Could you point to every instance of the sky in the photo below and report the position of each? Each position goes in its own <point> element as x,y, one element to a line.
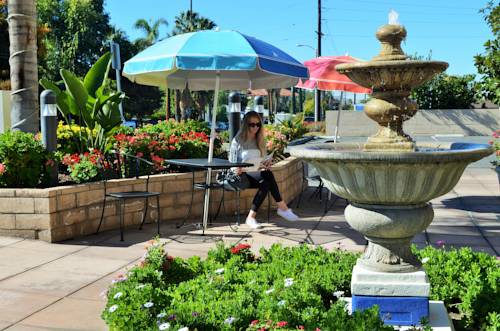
<point>450,30</point>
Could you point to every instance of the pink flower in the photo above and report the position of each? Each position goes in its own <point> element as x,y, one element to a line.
<point>440,242</point>
<point>2,168</point>
<point>281,324</point>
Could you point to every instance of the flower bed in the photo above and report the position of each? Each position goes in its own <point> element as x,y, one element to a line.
<point>295,288</point>
<point>63,212</point>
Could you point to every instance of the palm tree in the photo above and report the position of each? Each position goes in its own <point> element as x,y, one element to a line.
<point>151,30</point>
<point>185,22</point>
<point>23,65</point>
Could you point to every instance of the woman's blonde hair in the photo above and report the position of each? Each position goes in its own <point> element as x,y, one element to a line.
<point>242,135</point>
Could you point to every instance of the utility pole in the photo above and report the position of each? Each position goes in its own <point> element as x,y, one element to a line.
<point>317,94</point>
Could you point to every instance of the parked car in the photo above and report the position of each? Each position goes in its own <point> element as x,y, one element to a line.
<point>309,119</point>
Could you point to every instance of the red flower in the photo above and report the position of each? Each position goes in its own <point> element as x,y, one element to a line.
<point>254,322</point>
<point>2,168</point>
<point>281,324</point>
<point>238,248</point>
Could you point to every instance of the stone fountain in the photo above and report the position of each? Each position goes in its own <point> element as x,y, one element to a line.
<point>390,180</point>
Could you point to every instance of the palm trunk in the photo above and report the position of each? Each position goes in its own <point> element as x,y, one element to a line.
<point>23,65</point>
<point>177,106</point>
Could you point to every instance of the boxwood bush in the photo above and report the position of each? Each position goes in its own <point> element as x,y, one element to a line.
<point>295,288</point>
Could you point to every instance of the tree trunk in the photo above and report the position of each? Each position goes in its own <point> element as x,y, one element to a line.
<point>23,65</point>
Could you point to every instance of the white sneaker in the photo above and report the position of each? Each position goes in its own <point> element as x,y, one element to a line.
<point>288,215</point>
<point>252,223</point>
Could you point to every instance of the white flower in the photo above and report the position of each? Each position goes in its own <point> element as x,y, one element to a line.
<point>184,329</point>
<point>219,271</point>
<point>425,260</point>
<point>113,308</point>
<point>338,294</point>
<point>164,326</point>
<point>281,303</point>
<point>230,320</point>
<point>270,291</point>
<point>138,287</point>
<point>148,304</point>
<point>161,315</point>
<point>288,282</point>
<point>117,295</point>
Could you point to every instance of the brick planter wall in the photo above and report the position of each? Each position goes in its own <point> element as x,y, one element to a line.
<point>65,212</point>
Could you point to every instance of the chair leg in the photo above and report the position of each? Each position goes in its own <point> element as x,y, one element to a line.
<point>145,213</point>
<point>221,204</point>
<point>268,207</point>
<point>122,211</point>
<point>300,194</point>
<point>158,213</point>
<point>102,214</point>
<point>238,207</point>
<point>190,204</point>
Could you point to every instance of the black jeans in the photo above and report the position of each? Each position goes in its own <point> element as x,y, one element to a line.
<point>265,182</point>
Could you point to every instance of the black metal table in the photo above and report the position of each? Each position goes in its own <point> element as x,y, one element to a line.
<point>203,164</point>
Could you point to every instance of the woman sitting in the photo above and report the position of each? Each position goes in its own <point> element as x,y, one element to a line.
<point>249,146</point>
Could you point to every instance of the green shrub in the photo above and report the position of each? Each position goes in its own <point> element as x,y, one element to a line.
<point>283,289</point>
<point>468,283</point>
<point>232,288</point>
<point>23,160</point>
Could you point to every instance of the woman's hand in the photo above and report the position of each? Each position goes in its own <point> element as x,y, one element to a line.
<point>266,165</point>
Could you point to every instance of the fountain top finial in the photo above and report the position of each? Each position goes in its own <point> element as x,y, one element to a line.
<point>391,35</point>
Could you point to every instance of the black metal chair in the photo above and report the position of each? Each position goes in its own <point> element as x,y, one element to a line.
<point>230,188</point>
<point>318,191</point>
<point>116,165</point>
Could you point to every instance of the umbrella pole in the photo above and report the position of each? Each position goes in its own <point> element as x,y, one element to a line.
<point>338,118</point>
<point>206,207</point>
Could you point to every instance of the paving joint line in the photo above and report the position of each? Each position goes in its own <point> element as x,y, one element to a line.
<point>71,293</point>
<point>476,224</point>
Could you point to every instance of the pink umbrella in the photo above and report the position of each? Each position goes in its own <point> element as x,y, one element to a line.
<point>323,76</point>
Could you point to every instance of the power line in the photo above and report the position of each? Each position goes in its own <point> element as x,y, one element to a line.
<point>419,5</point>
<point>406,21</point>
<point>399,11</point>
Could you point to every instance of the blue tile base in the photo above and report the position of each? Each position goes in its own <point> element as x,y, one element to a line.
<point>395,310</point>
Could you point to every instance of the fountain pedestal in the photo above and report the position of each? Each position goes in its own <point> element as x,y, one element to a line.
<point>389,182</point>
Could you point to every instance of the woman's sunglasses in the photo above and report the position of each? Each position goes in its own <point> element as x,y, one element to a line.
<point>254,125</point>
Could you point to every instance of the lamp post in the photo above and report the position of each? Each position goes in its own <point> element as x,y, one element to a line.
<point>259,106</point>
<point>317,94</point>
<point>117,65</point>
<point>234,114</point>
<point>48,125</point>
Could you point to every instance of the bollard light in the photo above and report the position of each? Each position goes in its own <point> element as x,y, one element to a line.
<point>259,106</point>
<point>234,114</point>
<point>48,106</point>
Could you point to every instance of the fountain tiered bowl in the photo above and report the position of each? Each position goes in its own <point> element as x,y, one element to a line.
<point>390,179</point>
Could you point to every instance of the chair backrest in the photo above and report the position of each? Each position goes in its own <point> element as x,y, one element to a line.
<point>116,165</point>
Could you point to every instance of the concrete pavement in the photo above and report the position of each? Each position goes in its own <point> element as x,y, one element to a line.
<point>57,286</point>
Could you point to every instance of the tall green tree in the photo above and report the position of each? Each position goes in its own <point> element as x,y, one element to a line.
<point>446,92</point>
<point>151,31</point>
<point>79,30</point>
<point>4,40</point>
<point>23,65</point>
<point>185,22</point>
<point>488,63</point>
<point>141,100</point>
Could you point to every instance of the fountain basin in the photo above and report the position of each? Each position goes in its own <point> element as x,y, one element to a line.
<point>390,178</point>
<point>398,75</point>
